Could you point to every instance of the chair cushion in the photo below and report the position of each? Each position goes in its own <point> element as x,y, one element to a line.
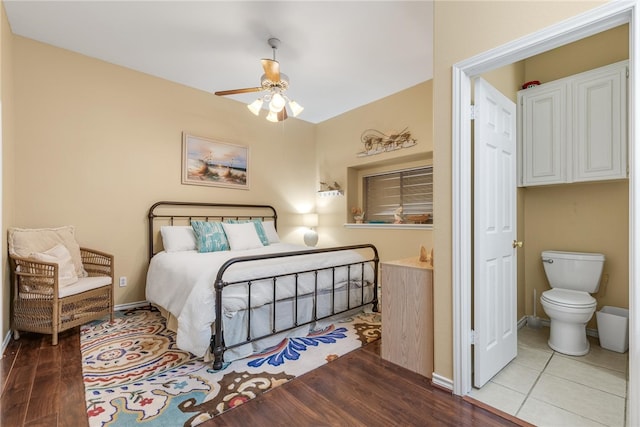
<point>84,284</point>
<point>61,256</point>
<point>24,241</point>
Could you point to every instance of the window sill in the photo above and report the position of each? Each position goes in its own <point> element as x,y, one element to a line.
<point>390,226</point>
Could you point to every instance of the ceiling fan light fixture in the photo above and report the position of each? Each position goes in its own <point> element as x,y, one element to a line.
<point>255,106</point>
<point>273,85</point>
<point>295,108</point>
<point>277,103</point>
<point>272,117</point>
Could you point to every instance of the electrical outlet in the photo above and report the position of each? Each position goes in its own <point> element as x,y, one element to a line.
<point>123,281</point>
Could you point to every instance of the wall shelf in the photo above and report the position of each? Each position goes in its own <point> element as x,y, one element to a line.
<point>390,226</point>
<point>330,193</point>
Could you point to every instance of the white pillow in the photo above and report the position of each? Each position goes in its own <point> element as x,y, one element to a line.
<point>178,238</point>
<point>60,255</point>
<point>25,241</point>
<point>242,236</point>
<point>270,231</point>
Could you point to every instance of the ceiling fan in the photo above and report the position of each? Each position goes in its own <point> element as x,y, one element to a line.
<point>275,84</point>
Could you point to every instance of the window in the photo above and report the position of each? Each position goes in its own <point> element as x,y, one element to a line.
<point>412,189</point>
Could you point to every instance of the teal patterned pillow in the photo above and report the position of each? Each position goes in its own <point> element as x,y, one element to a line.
<point>259,228</point>
<point>210,236</point>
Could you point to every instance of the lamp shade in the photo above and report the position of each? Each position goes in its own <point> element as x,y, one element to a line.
<point>295,108</point>
<point>255,106</point>
<point>310,220</point>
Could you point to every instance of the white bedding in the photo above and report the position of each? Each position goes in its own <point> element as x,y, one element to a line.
<point>182,283</point>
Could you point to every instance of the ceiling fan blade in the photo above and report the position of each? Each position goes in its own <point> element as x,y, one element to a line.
<point>271,69</point>
<point>234,91</point>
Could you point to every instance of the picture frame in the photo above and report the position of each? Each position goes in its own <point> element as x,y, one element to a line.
<point>214,163</point>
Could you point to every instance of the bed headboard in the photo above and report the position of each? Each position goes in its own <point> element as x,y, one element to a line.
<point>182,213</point>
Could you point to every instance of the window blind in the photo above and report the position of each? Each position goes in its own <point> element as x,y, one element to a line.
<point>412,189</point>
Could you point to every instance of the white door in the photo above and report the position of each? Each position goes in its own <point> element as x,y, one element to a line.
<point>495,322</point>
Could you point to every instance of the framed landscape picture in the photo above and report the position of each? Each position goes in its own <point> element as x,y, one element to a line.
<point>209,162</point>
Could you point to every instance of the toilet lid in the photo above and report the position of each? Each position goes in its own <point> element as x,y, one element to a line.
<point>569,298</point>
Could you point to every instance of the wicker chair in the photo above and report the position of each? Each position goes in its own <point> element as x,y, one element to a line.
<point>40,305</point>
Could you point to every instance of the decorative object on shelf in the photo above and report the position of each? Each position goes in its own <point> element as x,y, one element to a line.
<point>330,189</point>
<point>275,84</point>
<point>310,236</point>
<point>532,83</point>
<point>418,219</point>
<point>424,257</point>
<point>398,216</point>
<point>376,142</point>
<point>358,215</point>
<point>209,162</point>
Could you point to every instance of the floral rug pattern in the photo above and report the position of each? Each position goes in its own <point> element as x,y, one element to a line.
<point>134,373</point>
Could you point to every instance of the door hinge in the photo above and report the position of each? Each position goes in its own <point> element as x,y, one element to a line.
<point>473,337</point>
<point>472,112</point>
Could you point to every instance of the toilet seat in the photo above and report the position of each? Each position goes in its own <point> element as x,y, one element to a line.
<point>568,298</point>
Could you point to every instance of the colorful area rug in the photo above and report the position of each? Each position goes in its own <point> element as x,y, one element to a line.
<point>134,373</point>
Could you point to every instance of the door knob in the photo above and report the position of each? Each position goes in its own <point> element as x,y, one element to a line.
<point>516,244</point>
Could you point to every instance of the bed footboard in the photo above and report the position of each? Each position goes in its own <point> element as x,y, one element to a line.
<point>360,292</point>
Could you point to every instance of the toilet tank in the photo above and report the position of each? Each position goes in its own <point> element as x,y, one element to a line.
<point>578,271</point>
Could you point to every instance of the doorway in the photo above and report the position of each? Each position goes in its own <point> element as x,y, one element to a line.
<point>603,18</point>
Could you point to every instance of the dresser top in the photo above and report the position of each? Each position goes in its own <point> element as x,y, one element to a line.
<point>413,262</point>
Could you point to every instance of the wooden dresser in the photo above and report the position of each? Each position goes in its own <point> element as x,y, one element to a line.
<point>407,314</point>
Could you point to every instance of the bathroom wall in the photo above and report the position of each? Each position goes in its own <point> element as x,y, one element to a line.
<point>585,217</point>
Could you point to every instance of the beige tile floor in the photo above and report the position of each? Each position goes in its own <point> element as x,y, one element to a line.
<point>547,388</point>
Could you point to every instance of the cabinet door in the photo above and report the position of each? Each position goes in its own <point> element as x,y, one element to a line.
<point>599,124</point>
<point>544,134</point>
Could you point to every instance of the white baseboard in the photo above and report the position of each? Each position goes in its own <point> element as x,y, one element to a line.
<point>441,381</point>
<point>522,322</point>
<point>130,305</point>
<point>5,343</point>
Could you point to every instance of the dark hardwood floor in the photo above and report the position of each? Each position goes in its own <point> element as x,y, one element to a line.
<point>42,386</point>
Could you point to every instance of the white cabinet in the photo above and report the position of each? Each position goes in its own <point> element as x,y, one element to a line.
<point>600,124</point>
<point>574,129</point>
<point>544,133</point>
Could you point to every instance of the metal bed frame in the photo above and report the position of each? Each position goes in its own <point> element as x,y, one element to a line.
<point>170,213</point>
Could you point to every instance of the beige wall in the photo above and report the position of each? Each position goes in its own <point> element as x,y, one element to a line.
<point>463,29</point>
<point>8,157</point>
<point>97,144</point>
<point>589,217</point>
<point>338,141</point>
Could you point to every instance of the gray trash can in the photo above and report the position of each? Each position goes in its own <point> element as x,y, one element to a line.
<point>613,328</point>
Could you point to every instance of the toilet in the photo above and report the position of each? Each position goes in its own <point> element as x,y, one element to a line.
<point>573,276</point>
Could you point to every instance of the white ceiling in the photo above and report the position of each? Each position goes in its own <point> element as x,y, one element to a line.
<point>338,55</point>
